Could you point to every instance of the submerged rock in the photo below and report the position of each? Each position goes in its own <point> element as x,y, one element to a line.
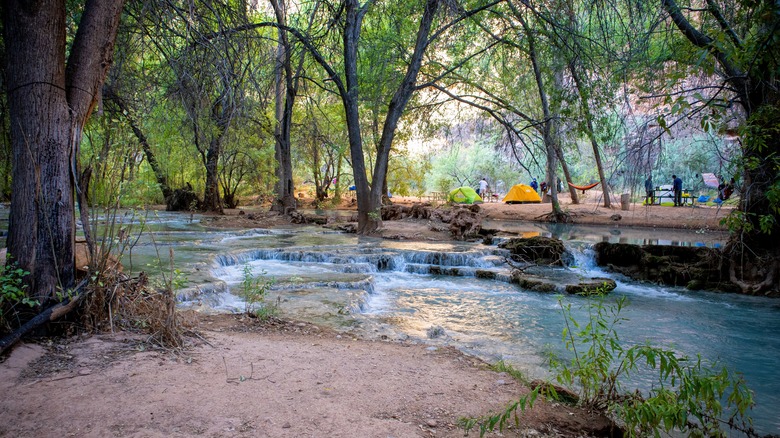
<point>593,286</point>
<point>571,284</point>
<point>533,283</point>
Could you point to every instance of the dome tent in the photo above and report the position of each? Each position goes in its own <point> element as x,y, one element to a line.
<point>521,194</point>
<point>464,195</point>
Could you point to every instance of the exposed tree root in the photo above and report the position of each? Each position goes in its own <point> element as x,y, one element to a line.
<point>753,287</point>
<point>557,218</point>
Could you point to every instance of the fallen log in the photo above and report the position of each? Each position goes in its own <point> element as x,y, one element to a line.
<point>51,314</point>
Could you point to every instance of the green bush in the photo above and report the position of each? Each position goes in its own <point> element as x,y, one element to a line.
<point>254,291</point>
<point>689,395</point>
<point>13,291</point>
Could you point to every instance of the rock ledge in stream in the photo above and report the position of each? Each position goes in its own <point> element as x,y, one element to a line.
<point>538,250</point>
<point>692,267</point>
<point>575,285</point>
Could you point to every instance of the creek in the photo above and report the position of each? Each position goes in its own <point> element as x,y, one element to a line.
<point>405,290</point>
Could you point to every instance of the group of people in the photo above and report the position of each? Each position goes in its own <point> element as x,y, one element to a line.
<point>725,190</point>
<point>535,185</point>
<point>676,190</point>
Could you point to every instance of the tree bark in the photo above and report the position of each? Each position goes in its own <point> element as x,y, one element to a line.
<point>368,217</point>
<point>49,104</point>
<point>211,198</point>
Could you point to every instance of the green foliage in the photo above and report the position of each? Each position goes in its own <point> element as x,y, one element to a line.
<point>13,291</point>
<point>464,165</point>
<point>501,420</point>
<point>254,291</point>
<point>406,176</point>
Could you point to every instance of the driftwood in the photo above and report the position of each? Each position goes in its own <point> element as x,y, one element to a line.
<point>51,314</point>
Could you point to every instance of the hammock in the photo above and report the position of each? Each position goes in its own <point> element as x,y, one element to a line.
<point>583,188</point>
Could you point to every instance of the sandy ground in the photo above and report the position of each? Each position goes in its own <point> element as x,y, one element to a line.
<point>242,379</point>
<point>287,379</point>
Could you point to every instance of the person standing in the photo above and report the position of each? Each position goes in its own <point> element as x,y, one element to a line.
<point>677,189</point>
<point>649,194</point>
<point>483,186</point>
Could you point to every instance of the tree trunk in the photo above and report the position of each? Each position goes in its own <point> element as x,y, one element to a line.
<point>286,90</point>
<point>368,216</point>
<point>567,175</point>
<point>110,94</point>
<point>49,104</point>
<point>396,108</point>
<point>550,126</point>
<point>584,105</point>
<point>211,199</point>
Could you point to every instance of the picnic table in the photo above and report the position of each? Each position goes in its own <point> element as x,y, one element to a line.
<point>660,193</point>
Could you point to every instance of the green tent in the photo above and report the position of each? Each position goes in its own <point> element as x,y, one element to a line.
<point>464,195</point>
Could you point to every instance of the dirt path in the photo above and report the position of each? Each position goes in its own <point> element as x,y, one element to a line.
<point>290,380</point>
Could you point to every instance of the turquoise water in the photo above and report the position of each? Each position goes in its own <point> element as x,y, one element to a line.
<point>387,288</point>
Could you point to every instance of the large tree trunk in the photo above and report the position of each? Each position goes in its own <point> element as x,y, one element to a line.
<point>49,105</point>
<point>211,199</point>
<point>368,215</point>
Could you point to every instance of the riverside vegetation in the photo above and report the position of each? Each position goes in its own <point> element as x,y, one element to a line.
<point>687,395</point>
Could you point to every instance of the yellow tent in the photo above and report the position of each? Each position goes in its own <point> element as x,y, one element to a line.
<point>521,194</point>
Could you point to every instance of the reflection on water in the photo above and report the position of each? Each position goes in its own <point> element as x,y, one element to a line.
<point>630,235</point>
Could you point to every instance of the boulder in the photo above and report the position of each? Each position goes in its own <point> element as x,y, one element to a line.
<point>536,284</point>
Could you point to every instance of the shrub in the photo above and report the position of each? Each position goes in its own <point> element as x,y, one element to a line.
<point>12,292</point>
<point>253,291</point>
